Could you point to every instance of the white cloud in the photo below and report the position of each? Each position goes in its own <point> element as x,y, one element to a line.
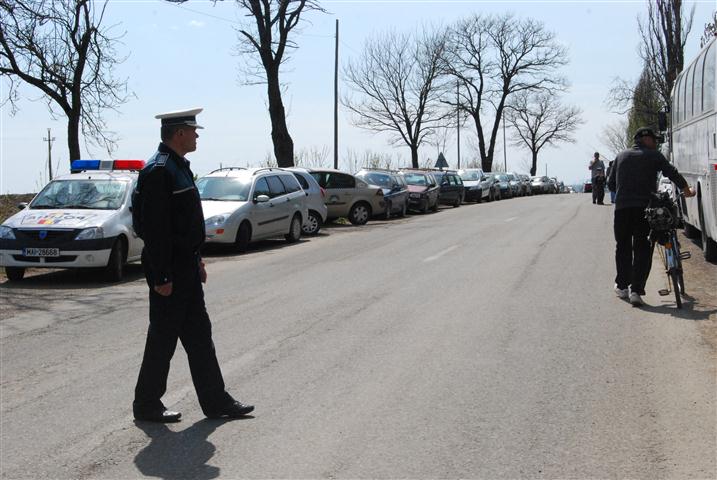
<point>196,24</point>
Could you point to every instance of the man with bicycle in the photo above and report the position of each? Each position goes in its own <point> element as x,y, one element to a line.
<point>633,178</point>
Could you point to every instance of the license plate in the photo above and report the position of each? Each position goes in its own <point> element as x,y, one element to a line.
<point>41,252</point>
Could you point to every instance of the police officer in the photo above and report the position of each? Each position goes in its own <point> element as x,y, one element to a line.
<point>597,167</point>
<point>167,214</point>
<point>633,178</point>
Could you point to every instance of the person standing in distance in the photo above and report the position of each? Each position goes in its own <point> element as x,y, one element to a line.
<point>167,215</point>
<point>597,167</point>
<point>633,178</point>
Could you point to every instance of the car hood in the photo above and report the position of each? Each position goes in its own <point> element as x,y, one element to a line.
<point>471,183</point>
<point>59,218</point>
<point>417,188</point>
<point>216,207</point>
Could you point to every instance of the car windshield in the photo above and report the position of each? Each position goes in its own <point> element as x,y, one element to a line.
<point>227,189</point>
<point>378,179</point>
<point>85,194</point>
<point>501,178</point>
<point>471,176</point>
<point>416,179</point>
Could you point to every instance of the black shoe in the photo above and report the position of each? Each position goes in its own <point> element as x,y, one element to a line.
<point>601,203</point>
<point>233,410</point>
<point>160,416</point>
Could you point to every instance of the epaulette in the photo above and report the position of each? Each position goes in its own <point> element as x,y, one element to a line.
<point>161,159</point>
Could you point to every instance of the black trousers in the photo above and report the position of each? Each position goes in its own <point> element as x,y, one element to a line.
<point>598,189</point>
<point>633,252</point>
<point>180,316</point>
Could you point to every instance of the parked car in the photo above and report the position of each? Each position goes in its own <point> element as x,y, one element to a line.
<point>555,184</point>
<point>503,184</point>
<point>525,182</point>
<point>423,189</point>
<point>540,184</point>
<point>588,186</point>
<point>451,187</point>
<point>476,184</point>
<point>317,210</point>
<point>515,183</point>
<point>395,190</point>
<point>78,220</point>
<point>246,205</point>
<point>493,187</point>
<point>348,196</point>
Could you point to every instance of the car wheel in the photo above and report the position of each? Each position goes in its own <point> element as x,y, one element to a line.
<point>115,266</point>
<point>359,213</point>
<point>312,224</point>
<point>458,202</point>
<point>435,206</point>
<point>241,243</point>
<point>388,210</point>
<point>294,229</point>
<point>15,274</point>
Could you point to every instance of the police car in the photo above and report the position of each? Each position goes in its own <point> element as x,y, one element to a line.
<point>78,220</point>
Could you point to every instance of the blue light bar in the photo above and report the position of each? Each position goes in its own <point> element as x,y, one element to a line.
<point>85,165</point>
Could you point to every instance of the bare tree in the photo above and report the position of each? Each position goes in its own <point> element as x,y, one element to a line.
<point>494,57</point>
<point>615,137</point>
<point>710,30</point>
<point>539,120</point>
<point>664,35</point>
<point>267,36</point>
<point>62,49</point>
<point>395,83</point>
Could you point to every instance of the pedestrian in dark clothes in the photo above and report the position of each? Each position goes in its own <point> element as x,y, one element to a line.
<point>633,178</point>
<point>167,214</point>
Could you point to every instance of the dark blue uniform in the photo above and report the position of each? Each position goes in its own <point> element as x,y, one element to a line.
<point>171,223</point>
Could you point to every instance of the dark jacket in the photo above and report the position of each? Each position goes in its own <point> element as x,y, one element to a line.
<point>633,176</point>
<point>171,217</point>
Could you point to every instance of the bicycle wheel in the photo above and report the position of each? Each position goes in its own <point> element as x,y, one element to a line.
<point>675,276</point>
<point>678,261</point>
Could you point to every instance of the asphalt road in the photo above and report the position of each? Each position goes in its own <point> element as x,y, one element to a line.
<point>478,342</point>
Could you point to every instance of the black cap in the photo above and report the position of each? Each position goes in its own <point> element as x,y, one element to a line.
<point>645,132</point>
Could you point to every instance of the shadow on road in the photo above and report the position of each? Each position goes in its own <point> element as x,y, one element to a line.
<point>179,455</point>
<point>72,279</point>
<point>687,312</point>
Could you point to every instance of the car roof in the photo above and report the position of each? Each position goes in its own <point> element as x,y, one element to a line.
<point>244,172</point>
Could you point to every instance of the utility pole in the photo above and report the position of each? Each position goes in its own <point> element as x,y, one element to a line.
<point>336,99</point>
<point>49,139</point>
<point>458,122</point>
<point>546,169</point>
<point>505,151</point>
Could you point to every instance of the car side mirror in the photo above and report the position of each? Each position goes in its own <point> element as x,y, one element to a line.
<point>662,121</point>
<point>22,205</point>
<point>261,199</point>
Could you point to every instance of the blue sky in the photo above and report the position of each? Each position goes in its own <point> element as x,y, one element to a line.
<point>182,56</point>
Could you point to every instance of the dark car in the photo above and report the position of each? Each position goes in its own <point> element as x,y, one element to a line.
<point>492,185</point>
<point>516,185</point>
<point>393,184</point>
<point>525,180</point>
<point>451,187</point>
<point>503,184</point>
<point>588,186</point>
<point>422,189</point>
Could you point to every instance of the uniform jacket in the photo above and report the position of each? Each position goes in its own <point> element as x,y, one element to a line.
<point>171,215</point>
<point>633,176</point>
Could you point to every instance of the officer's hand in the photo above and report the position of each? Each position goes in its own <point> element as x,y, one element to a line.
<point>688,192</point>
<point>164,290</point>
<point>202,272</point>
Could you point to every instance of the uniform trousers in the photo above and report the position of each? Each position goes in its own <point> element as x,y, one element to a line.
<point>179,316</point>
<point>633,251</point>
<point>598,189</point>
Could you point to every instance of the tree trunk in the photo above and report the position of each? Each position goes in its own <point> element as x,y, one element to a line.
<point>414,156</point>
<point>534,167</point>
<point>283,144</point>
<point>73,135</point>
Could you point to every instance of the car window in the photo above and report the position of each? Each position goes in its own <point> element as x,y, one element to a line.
<point>416,179</point>
<point>275,186</point>
<point>340,180</point>
<point>290,183</point>
<point>453,179</point>
<point>261,188</point>
<point>302,181</point>
<point>321,178</point>
<point>378,179</point>
<point>85,193</point>
<point>224,188</point>
<point>471,175</point>
<point>439,177</point>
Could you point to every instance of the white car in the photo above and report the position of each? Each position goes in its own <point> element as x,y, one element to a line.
<point>245,205</point>
<point>78,220</point>
<point>318,212</point>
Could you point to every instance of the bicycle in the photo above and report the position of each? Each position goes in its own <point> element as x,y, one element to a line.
<point>664,217</point>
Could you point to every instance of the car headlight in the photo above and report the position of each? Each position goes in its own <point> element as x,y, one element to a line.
<point>90,233</point>
<point>216,221</point>
<point>6,233</point>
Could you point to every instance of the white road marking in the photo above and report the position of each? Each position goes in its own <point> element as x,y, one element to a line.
<point>440,254</point>
<point>510,219</point>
